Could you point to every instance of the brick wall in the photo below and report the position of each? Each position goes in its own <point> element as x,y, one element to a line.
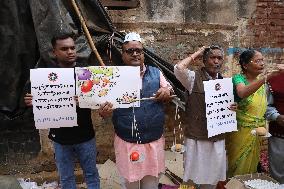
<point>267,25</point>
<point>264,29</point>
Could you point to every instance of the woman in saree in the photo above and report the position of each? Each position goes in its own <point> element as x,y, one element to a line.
<point>243,147</point>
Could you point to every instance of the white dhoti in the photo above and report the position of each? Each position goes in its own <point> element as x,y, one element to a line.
<point>204,161</point>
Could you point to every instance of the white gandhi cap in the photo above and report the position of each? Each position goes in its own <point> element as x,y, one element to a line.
<point>132,37</point>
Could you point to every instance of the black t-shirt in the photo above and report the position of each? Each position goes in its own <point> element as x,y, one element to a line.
<point>77,134</point>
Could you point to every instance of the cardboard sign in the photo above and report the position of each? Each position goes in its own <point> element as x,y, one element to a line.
<point>53,91</point>
<point>218,97</point>
<point>119,85</point>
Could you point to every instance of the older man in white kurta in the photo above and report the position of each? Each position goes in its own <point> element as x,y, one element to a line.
<point>205,158</point>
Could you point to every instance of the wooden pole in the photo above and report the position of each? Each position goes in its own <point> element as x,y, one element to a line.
<point>85,28</point>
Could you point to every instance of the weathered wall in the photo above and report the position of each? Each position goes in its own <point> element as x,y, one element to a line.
<point>174,42</point>
<point>181,11</point>
<point>174,29</point>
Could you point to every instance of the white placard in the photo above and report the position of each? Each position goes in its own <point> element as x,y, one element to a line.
<point>119,85</point>
<point>53,91</point>
<point>218,97</point>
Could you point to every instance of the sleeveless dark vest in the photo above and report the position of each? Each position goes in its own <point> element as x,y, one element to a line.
<point>196,126</point>
<point>277,90</point>
<point>150,117</point>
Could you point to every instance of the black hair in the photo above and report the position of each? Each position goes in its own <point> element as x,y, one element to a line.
<point>246,57</point>
<point>60,36</point>
<point>208,51</point>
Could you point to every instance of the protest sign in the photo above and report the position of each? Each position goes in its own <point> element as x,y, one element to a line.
<point>119,85</point>
<point>218,98</point>
<point>53,91</point>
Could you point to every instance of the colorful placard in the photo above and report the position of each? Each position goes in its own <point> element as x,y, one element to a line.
<point>119,85</point>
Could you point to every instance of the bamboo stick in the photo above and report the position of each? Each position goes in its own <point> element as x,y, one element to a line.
<point>87,33</point>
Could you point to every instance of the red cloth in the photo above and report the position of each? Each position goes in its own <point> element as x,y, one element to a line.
<point>277,90</point>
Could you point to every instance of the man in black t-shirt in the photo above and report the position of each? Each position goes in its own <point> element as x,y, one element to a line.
<point>72,142</point>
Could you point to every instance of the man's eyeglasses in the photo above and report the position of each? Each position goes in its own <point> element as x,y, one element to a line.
<point>258,61</point>
<point>132,50</point>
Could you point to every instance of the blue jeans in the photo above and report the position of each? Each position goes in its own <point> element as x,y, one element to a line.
<point>65,161</point>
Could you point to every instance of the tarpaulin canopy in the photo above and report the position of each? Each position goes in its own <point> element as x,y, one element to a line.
<point>26,29</point>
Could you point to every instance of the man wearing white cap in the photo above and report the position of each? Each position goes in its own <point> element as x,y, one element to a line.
<point>140,156</point>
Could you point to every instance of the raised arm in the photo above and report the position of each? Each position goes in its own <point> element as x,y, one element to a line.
<point>185,63</point>
<point>183,74</point>
<point>244,91</point>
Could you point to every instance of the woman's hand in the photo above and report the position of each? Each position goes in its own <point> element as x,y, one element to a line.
<point>280,67</point>
<point>233,107</point>
<point>279,70</point>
